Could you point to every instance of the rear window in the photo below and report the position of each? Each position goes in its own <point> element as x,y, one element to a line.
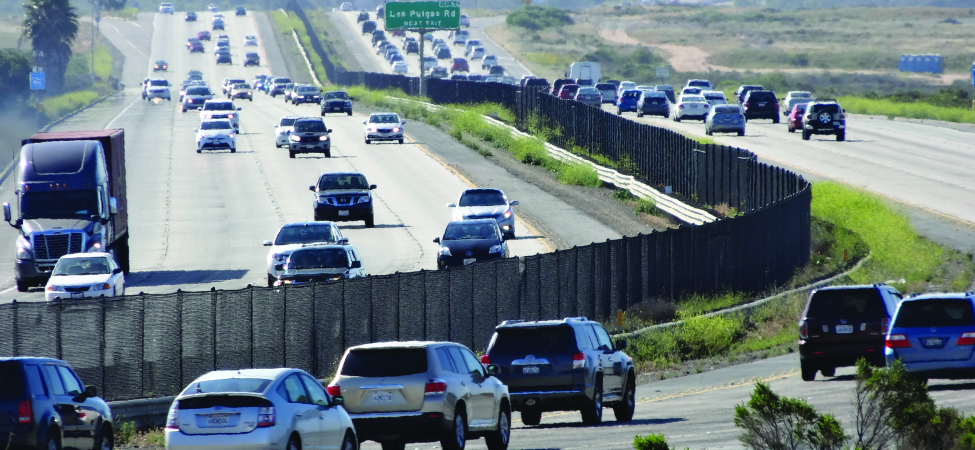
<point>761,96</point>
<point>949,312</point>
<point>256,385</point>
<point>12,380</point>
<point>832,109</point>
<point>731,109</point>
<point>605,87</point>
<point>534,341</point>
<point>392,362</point>
<point>846,302</point>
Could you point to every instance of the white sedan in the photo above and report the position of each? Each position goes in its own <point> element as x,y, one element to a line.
<point>215,134</point>
<point>384,127</point>
<point>691,107</point>
<point>85,275</point>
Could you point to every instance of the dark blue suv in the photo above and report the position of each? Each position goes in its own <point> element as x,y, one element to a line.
<point>44,406</point>
<point>563,365</point>
<point>343,197</point>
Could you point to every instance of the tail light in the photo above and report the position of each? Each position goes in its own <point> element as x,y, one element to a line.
<point>706,106</point>
<point>25,412</point>
<point>435,386</point>
<point>745,104</point>
<point>803,330</point>
<point>172,420</point>
<point>898,341</point>
<point>265,416</point>
<point>885,325</point>
<point>485,359</point>
<point>579,361</point>
<point>967,339</point>
<point>334,390</point>
<point>681,106</point>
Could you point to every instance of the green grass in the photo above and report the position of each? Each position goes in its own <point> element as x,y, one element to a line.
<point>124,13</point>
<point>579,174</point>
<point>62,105</point>
<point>647,205</point>
<point>917,110</point>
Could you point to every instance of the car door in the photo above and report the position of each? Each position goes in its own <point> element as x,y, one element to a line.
<point>85,407</point>
<point>471,389</point>
<point>330,420</point>
<point>72,424</point>
<point>482,395</point>
<point>307,420</point>
<point>612,381</point>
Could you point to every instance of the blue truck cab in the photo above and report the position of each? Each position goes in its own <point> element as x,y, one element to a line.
<point>70,199</point>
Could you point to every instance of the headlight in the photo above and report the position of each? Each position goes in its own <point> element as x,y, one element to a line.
<point>507,214</point>
<point>287,281</point>
<point>323,200</point>
<point>372,129</point>
<point>231,135</point>
<point>230,116</point>
<point>301,96</point>
<point>278,256</point>
<point>294,138</point>
<point>323,138</point>
<point>445,251</point>
<point>495,249</point>
<point>365,199</point>
<point>395,129</point>
<point>101,287</point>
<point>23,253</point>
<point>53,288</point>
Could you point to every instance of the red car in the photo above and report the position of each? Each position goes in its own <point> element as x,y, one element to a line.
<point>460,65</point>
<point>398,32</point>
<point>568,91</point>
<point>203,35</point>
<point>795,117</point>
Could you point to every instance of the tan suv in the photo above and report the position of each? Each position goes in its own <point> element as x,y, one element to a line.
<point>404,392</point>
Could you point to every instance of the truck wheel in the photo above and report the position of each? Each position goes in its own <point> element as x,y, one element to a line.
<point>271,280</point>
<point>21,286</point>
<point>370,221</point>
<point>808,372</point>
<point>291,154</point>
<point>122,254</point>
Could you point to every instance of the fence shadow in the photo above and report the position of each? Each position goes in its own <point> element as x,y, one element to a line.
<point>179,277</point>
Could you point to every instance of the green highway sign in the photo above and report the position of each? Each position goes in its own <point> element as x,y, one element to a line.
<point>423,15</point>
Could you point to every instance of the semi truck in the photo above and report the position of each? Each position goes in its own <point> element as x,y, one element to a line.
<point>70,199</point>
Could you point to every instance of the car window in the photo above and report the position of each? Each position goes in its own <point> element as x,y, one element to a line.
<point>757,96</point>
<point>255,385</point>
<point>12,380</point>
<point>473,365</point>
<point>830,108</point>
<point>693,99</point>
<point>385,362</point>
<point>219,106</point>
<point>34,379</point>
<point>287,122</point>
<point>443,355</point>
<point>342,181</point>
<point>310,126</point>
<point>948,312</point>
<point>293,390</point>
<point>71,383</point>
<point>53,379</point>
<point>341,95</point>
<point>477,230</point>
<point>582,338</point>
<point>316,393</point>
<point>632,94</point>
<point>198,91</point>
<point>482,198</point>
<point>727,109</point>
<point>82,266</point>
<point>384,118</point>
<point>534,340</point>
<point>216,125</point>
<point>602,338</point>
<point>304,234</point>
<point>846,302</point>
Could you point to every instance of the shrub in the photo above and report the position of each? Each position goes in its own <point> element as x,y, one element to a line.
<point>654,441</point>
<point>538,17</point>
<point>705,337</point>
<point>647,205</point>
<point>773,422</point>
<point>579,174</point>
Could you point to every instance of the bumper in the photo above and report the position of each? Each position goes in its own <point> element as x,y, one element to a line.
<point>300,100</point>
<point>252,63</point>
<point>963,369</point>
<point>282,140</point>
<point>656,111</point>
<point>270,438</point>
<point>727,127</point>
<point>247,96</point>
<point>762,114</point>
<point>91,293</point>
<point>343,213</point>
<point>377,136</point>
<point>213,145</point>
<point>842,355</point>
<point>549,400</point>
<point>31,273</point>
<point>692,116</point>
<point>306,147</point>
<point>409,427</point>
<point>152,95</point>
<point>337,108</point>
<point>826,130</point>
<point>626,107</point>
<point>457,261</point>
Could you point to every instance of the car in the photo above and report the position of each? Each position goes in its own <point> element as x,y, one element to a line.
<point>725,119</point>
<point>203,35</point>
<point>497,70</point>
<point>258,408</point>
<point>385,126</point>
<point>459,77</point>
<point>219,25</point>
<point>321,262</point>
<point>705,85</point>
<point>615,83</point>
<point>824,117</point>
<point>653,103</point>
<point>337,101</point>
<point>563,365</point>
<point>217,16</point>
<point>477,53</point>
<point>216,134</point>
<point>228,84</point>
<point>306,94</point>
<point>412,47</point>
<point>475,77</point>
<point>309,135</point>
<point>190,16</point>
<point>223,36</point>
<point>194,75</point>
<point>289,91</point>
<point>429,62</point>
<point>368,26</point>
<point>666,89</point>
<point>252,59</point>
<point>557,86</point>
<point>460,65</point>
<point>761,104</point>
<point>242,91</point>
<point>378,35</point>
<point>283,130</point>
<point>589,96</point>
<point>395,57</point>
<point>468,241</point>
<point>793,98</point>
<point>224,57</point>
<point>691,91</point>
<point>196,96</point>
<point>43,399</point>
<point>221,109</point>
<point>465,21</point>
<point>585,82</point>
<point>195,47</point>
<point>443,53</point>
<point>85,275</point>
<point>691,107</point>
<point>438,72</point>
<point>250,41</point>
<point>714,98</point>
<point>363,16</point>
<point>568,91</point>
<point>841,324</point>
<point>624,86</point>
<point>460,38</point>
<point>380,12</point>
<point>508,79</point>
<point>492,79</point>
<point>277,87</point>
<point>628,101</point>
<point>428,36</point>
<point>400,67</point>
<point>438,42</point>
<point>423,391</point>
<point>212,7</point>
<point>187,84</point>
<point>471,44</point>
<point>346,6</point>
<point>293,236</point>
<point>259,81</point>
<point>343,197</point>
<point>933,336</point>
<point>156,88</point>
<point>240,11</point>
<point>794,119</point>
<point>166,8</point>
<point>485,204</point>
<point>381,46</point>
<point>536,83</point>
<point>397,32</point>
<point>743,89</point>
<point>607,91</point>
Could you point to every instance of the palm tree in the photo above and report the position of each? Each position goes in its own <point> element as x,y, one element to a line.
<point>52,26</point>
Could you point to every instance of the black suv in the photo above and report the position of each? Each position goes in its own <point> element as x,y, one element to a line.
<point>343,197</point>
<point>252,59</point>
<point>363,16</point>
<point>310,135</point>
<point>824,117</point>
<point>336,101</point>
<point>743,89</point>
<point>378,35</point>
<point>368,26</point>
<point>44,406</point>
<point>563,365</point>
<point>761,105</point>
<point>841,324</point>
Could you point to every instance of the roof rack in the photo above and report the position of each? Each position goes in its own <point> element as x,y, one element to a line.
<point>879,284</point>
<point>575,319</point>
<point>512,321</point>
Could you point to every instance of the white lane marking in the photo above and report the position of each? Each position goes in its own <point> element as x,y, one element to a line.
<point>8,290</point>
<point>109,125</point>
<point>127,41</point>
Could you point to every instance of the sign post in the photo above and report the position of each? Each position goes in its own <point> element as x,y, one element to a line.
<point>422,17</point>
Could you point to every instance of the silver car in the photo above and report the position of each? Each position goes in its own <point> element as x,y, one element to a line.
<point>794,98</point>
<point>383,127</point>
<point>589,96</point>
<point>293,236</point>
<point>608,92</point>
<point>691,107</point>
<point>725,119</point>
<point>283,131</point>
<point>715,98</point>
<point>258,409</point>
<point>486,204</point>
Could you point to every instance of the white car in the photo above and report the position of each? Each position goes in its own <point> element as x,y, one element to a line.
<point>212,7</point>
<point>258,408</point>
<point>221,109</point>
<point>166,8</point>
<point>508,79</point>
<point>691,107</point>
<point>250,41</point>
<point>465,21</point>
<point>429,62</point>
<point>400,67</point>
<point>488,61</point>
<point>715,97</point>
<point>293,236</point>
<point>196,96</point>
<point>383,127</point>
<point>705,85</point>
<point>347,6</point>
<point>624,86</point>
<point>794,98</point>
<point>477,53</point>
<point>85,275</point>
<point>283,131</point>
<point>156,88</point>
<point>486,204</point>
<point>216,134</point>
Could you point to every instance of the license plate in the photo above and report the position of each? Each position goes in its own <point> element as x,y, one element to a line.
<point>932,342</point>
<point>218,420</point>
<point>761,104</point>
<point>77,295</point>
<point>530,370</point>
<point>470,261</point>
<point>382,397</point>
<point>343,213</point>
<point>844,329</point>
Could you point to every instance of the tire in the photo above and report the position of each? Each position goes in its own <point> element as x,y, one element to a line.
<point>270,280</point>
<point>106,439</point>
<point>741,132</point>
<point>53,440</point>
<point>122,254</point>
<point>368,142</point>
<point>808,372</point>
<point>294,443</point>
<point>841,136</point>
<point>456,437</point>
<point>233,150</point>
<point>619,112</point>
<point>676,119</point>
<point>349,442</point>
<point>667,116</point>
<point>349,113</point>
<point>639,114</point>
<point>592,414</point>
<point>21,286</point>
<point>623,409</point>
<point>400,141</point>
<point>393,445</point>
<point>371,221</point>
<point>498,439</point>
<point>805,135</point>
<point>323,113</point>
<point>775,119</point>
<point>291,154</point>
<point>828,371</point>
<point>531,417</point>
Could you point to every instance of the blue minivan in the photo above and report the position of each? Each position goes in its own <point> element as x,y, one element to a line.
<point>934,336</point>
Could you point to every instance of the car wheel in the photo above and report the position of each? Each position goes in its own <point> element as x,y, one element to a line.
<point>233,150</point>
<point>775,119</point>
<point>808,373</point>
<point>270,280</point>
<point>349,442</point>
<point>368,142</point>
<point>792,130</point>
<point>456,437</point>
<point>199,150</point>
<point>294,443</point>
<point>741,132</point>
<point>531,417</point>
<point>841,136</point>
<point>22,287</point>
<point>106,440</point>
<point>400,141</point>
<point>53,443</point>
<point>619,112</point>
<point>623,409</point>
<point>393,445</point>
<point>639,114</point>
<point>498,439</point>
<point>676,119</point>
<point>323,113</point>
<point>328,153</point>
<point>592,414</point>
<point>370,221</point>
<point>828,371</point>
<point>667,116</point>
<point>805,135</point>
<point>349,112</point>
<point>291,154</point>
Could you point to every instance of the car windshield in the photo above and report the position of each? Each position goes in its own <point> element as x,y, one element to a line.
<point>255,385</point>
<point>693,99</point>
<point>699,83</point>
<point>385,362</point>
<point>714,96</point>
<point>158,83</point>
<point>216,125</point>
<point>758,96</point>
<point>218,106</point>
<point>482,198</point>
<point>691,91</point>
<point>801,95</point>
<point>287,121</point>
<point>933,313</point>
<point>342,181</point>
<point>338,95</point>
<point>304,234</point>
<point>73,204</point>
<point>307,89</point>
<point>632,94</point>
<point>310,126</point>
<point>654,100</point>
<point>726,109</point>
<point>384,118</point>
<point>588,91</point>
<point>462,231</point>
<point>801,108</point>
<point>198,91</point>
<point>242,86</point>
<point>605,87</point>
<point>94,265</point>
<point>845,302</point>
<point>282,80</point>
<point>518,341</point>
<point>319,258</point>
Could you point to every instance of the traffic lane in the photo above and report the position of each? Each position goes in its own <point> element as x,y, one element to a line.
<point>511,64</point>
<point>349,35</point>
<point>271,57</point>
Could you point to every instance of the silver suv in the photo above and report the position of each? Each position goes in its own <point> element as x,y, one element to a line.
<point>403,392</point>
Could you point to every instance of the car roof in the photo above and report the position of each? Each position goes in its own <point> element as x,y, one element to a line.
<point>323,223</point>
<point>854,286</point>
<point>492,221</point>
<point>82,255</point>
<point>341,173</point>
<point>319,246</point>
<point>943,295</point>
<point>267,374</point>
<point>542,323</point>
<point>481,191</point>
<point>400,344</point>
<point>38,359</point>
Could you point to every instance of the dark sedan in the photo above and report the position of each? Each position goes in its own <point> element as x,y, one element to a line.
<point>224,58</point>
<point>196,47</point>
<point>252,59</point>
<point>203,35</point>
<point>469,241</point>
<point>190,16</point>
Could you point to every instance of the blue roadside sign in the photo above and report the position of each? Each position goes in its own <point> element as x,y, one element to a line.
<point>37,81</point>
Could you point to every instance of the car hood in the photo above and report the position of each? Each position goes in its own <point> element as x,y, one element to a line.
<point>214,133</point>
<point>79,280</point>
<point>343,192</point>
<point>460,247</point>
<point>42,225</point>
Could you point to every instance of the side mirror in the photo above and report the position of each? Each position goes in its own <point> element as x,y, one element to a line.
<point>311,188</point>
<point>352,98</point>
<point>103,221</point>
<point>267,243</point>
<point>363,122</point>
<point>329,130</point>
<point>279,267</point>
<point>343,241</point>
<point>621,344</point>
<point>436,240</point>
<point>337,401</point>
<point>513,203</point>
<point>451,205</point>
<point>372,186</point>
<point>117,271</point>
<point>91,391</point>
<point>356,265</point>
<point>404,122</point>
<point>493,369</point>
<point>113,205</point>
<point>6,212</point>
<point>196,129</point>
<point>240,108</point>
